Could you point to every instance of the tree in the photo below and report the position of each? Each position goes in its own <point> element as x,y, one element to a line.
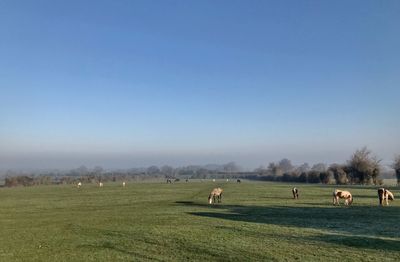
<point>325,177</point>
<point>231,167</point>
<point>303,168</point>
<point>320,167</point>
<point>363,168</point>
<point>285,165</point>
<point>274,169</point>
<point>153,170</point>
<point>313,177</point>
<point>167,171</point>
<point>339,174</point>
<point>98,170</point>
<point>396,167</point>
<point>303,177</point>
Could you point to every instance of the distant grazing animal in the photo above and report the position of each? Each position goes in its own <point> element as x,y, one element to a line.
<point>227,180</point>
<point>295,192</point>
<point>214,180</point>
<point>384,196</point>
<point>238,181</point>
<point>100,184</point>
<point>187,180</point>
<point>123,184</point>
<point>346,195</point>
<point>79,184</point>
<point>216,194</point>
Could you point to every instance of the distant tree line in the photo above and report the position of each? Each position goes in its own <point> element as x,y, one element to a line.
<point>361,168</point>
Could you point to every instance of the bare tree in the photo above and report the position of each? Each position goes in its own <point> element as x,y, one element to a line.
<point>363,168</point>
<point>167,171</point>
<point>396,167</point>
<point>285,165</point>
<point>153,170</point>
<point>231,167</point>
<point>303,168</point>
<point>320,167</point>
<point>339,174</point>
<point>274,169</point>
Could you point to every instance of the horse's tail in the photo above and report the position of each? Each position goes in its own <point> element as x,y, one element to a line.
<point>390,195</point>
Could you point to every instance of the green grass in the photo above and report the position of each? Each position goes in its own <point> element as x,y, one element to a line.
<point>159,221</point>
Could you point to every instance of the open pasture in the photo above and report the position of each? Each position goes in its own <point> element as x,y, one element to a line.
<point>173,222</point>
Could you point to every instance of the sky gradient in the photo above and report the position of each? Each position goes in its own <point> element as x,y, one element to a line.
<point>134,83</point>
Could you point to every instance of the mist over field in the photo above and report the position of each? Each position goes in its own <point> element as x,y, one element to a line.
<point>133,84</point>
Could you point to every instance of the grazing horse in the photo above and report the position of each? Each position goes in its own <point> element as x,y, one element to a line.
<point>216,194</point>
<point>385,195</point>
<point>123,184</point>
<point>101,184</point>
<point>238,181</point>
<point>79,184</point>
<point>346,195</point>
<point>295,192</point>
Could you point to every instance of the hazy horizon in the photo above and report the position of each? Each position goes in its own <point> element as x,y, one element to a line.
<point>124,84</point>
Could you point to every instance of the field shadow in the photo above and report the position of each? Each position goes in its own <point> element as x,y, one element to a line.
<point>364,242</point>
<point>354,220</point>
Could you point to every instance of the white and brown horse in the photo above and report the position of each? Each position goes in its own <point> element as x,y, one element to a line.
<point>215,195</point>
<point>384,196</point>
<point>346,195</point>
<point>295,193</point>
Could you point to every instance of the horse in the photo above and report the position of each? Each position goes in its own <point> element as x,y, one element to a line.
<point>385,195</point>
<point>79,184</point>
<point>295,192</point>
<point>123,184</point>
<point>100,184</point>
<point>238,181</point>
<point>216,194</point>
<point>346,195</point>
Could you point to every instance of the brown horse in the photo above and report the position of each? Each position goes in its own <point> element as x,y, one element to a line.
<point>216,194</point>
<point>385,195</point>
<point>346,195</point>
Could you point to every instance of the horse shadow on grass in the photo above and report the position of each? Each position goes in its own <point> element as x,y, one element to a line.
<point>354,226</point>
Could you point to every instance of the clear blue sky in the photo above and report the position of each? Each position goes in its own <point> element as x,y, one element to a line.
<point>131,83</point>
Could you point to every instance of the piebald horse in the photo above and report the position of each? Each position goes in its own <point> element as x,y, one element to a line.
<point>295,193</point>
<point>216,194</point>
<point>384,195</point>
<point>346,195</point>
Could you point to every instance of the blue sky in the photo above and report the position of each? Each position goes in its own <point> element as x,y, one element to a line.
<point>131,83</point>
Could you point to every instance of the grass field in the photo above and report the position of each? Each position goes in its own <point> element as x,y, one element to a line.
<point>172,222</point>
